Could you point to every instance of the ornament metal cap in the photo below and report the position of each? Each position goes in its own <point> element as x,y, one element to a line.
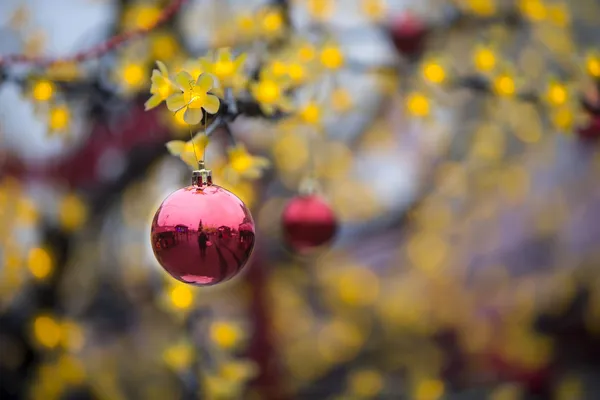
<point>202,176</point>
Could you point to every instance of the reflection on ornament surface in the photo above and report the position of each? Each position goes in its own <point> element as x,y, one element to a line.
<point>202,235</point>
<point>308,222</point>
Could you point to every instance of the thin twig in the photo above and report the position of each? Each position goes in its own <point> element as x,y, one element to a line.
<point>98,50</point>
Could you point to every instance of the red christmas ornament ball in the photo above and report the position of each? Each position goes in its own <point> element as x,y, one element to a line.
<point>408,34</point>
<point>202,235</point>
<point>308,222</point>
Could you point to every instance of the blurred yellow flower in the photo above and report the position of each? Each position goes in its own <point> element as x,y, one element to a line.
<point>504,85</point>
<point>563,118</point>
<point>225,334</point>
<point>190,150</point>
<point>164,46</point>
<point>46,331</point>
<point>417,104</point>
<point>319,9</point>
<point>43,90</point>
<point>246,25</point>
<point>58,119</point>
<point>179,356</point>
<point>40,263</point>
<point>592,64</point>
<point>181,296</point>
<point>433,72</point>
<point>141,16</point>
<point>161,87</point>
<point>70,369</point>
<point>131,75</point>
<point>270,21</point>
<point>483,8</point>
<point>238,370</point>
<point>228,70</point>
<point>556,93</point>
<point>374,9</point>
<point>535,10</point>
<point>194,97</point>
<point>559,14</point>
<point>429,389</point>
<point>269,92</point>
<point>244,165</point>
<point>332,57</point>
<point>72,212</point>
<point>310,113</point>
<point>306,52</point>
<point>365,383</point>
<point>484,59</point>
<point>297,72</point>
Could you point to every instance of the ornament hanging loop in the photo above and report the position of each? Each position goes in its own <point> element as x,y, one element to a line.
<point>202,176</point>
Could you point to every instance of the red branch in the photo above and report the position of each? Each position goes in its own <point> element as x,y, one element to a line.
<point>98,50</point>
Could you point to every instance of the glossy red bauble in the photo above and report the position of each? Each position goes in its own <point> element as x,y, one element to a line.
<point>202,235</point>
<point>408,33</point>
<point>308,222</point>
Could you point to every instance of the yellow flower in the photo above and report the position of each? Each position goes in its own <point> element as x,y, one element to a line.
<point>188,151</point>
<point>246,25</point>
<point>194,67</point>
<point>243,165</point>
<point>270,22</point>
<point>434,72</point>
<point>319,9</point>
<point>310,113</point>
<point>417,105</point>
<point>194,97</point>
<point>269,92</point>
<point>557,94</point>
<point>332,57</point>
<point>228,70</point>
<point>58,119</point>
<point>161,88</point>
<point>484,59</point>
<point>504,85</point>
<point>43,90</point>
<point>592,64</point>
<point>164,46</point>
<point>141,16</point>
<point>374,9</point>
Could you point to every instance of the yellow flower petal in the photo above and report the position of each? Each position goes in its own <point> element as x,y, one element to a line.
<point>200,141</point>
<point>184,80</point>
<point>224,54</point>
<point>190,159</point>
<point>192,116</point>
<point>205,82</point>
<point>163,68</point>
<point>175,147</point>
<point>239,62</point>
<point>153,102</point>
<point>176,102</point>
<point>212,104</point>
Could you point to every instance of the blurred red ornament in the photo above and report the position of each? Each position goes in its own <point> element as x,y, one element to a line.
<point>408,34</point>
<point>202,234</point>
<point>308,222</point>
<point>592,130</point>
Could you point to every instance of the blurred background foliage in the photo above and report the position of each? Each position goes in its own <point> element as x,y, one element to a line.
<point>455,141</point>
